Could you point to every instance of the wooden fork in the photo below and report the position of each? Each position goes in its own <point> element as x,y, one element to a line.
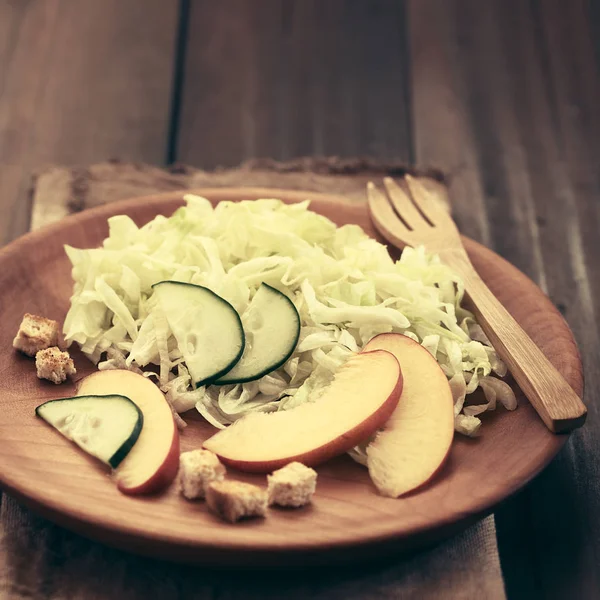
<point>415,217</point>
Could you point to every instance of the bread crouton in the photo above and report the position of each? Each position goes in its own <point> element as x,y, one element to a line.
<point>54,365</point>
<point>234,500</point>
<point>35,334</point>
<point>197,469</point>
<point>292,485</point>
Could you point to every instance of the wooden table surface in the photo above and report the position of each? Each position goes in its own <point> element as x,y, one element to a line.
<point>502,94</point>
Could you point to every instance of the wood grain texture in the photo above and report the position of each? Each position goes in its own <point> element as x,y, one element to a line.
<point>517,92</point>
<point>502,95</point>
<point>78,83</point>
<point>282,79</point>
<point>347,511</point>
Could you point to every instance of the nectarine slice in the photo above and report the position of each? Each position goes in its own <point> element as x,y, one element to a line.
<point>361,397</point>
<point>153,461</point>
<point>416,439</point>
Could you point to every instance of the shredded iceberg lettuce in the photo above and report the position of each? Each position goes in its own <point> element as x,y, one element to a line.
<point>344,284</point>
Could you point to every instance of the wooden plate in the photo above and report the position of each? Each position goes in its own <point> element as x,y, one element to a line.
<point>348,520</point>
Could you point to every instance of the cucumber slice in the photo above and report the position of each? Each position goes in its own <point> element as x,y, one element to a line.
<point>106,427</point>
<point>207,328</point>
<point>272,328</point>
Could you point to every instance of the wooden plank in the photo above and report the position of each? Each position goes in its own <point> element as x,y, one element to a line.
<point>442,134</point>
<point>282,79</point>
<point>80,82</point>
<point>567,532</point>
<point>515,98</point>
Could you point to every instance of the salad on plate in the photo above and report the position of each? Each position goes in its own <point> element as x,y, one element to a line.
<point>298,339</point>
<point>345,287</point>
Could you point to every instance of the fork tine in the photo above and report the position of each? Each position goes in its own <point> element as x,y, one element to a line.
<point>403,204</point>
<point>384,218</point>
<point>427,204</point>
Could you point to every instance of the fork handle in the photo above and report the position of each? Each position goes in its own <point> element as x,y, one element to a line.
<point>552,397</point>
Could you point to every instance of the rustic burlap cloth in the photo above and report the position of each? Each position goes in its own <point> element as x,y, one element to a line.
<point>41,560</point>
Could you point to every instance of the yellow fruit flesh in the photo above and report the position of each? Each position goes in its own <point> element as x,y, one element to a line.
<point>417,437</point>
<point>365,384</point>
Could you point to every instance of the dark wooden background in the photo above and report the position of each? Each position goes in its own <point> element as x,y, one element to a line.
<point>503,94</point>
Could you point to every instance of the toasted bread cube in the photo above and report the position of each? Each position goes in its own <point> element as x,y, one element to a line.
<point>35,334</point>
<point>292,485</point>
<point>197,469</point>
<point>234,500</point>
<point>54,365</point>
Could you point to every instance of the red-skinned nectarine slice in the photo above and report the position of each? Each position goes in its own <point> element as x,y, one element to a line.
<point>153,461</point>
<point>359,400</point>
<point>416,439</point>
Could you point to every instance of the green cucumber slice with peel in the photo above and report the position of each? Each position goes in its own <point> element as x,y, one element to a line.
<point>106,427</point>
<point>272,328</point>
<point>207,328</point>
